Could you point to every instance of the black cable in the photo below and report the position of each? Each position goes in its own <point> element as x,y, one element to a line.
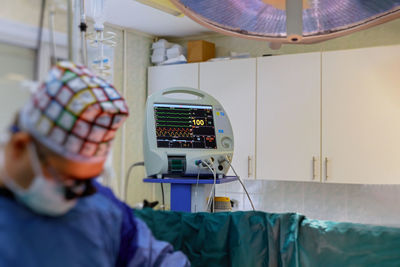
<point>162,193</point>
<point>39,40</point>
<point>127,177</point>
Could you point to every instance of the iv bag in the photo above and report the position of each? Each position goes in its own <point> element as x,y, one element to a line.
<point>96,10</point>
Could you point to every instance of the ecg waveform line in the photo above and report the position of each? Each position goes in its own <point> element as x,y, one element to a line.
<point>169,109</point>
<point>172,119</point>
<point>185,122</point>
<point>169,117</point>
<point>173,113</point>
<point>179,126</point>
<point>173,132</point>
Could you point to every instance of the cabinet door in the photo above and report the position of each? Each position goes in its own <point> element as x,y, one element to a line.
<point>233,84</point>
<point>288,117</point>
<point>162,77</point>
<point>361,115</point>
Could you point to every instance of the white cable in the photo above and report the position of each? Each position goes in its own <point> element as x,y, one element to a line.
<point>125,191</point>
<point>241,182</point>
<point>195,191</point>
<point>212,193</point>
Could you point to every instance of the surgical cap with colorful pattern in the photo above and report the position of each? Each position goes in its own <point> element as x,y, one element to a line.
<point>75,113</point>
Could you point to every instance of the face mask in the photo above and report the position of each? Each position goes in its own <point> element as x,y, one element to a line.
<point>44,196</point>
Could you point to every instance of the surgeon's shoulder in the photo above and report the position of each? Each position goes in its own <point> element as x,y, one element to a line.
<point>107,194</point>
<point>138,247</point>
<point>104,191</point>
<point>128,231</point>
<point>102,203</point>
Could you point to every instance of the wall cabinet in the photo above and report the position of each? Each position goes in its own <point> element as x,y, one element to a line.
<point>331,116</point>
<point>288,117</point>
<point>361,115</point>
<point>161,77</point>
<point>233,83</point>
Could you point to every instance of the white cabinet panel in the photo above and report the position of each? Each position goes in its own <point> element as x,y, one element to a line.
<point>288,117</point>
<point>233,84</point>
<point>162,77</point>
<point>361,115</point>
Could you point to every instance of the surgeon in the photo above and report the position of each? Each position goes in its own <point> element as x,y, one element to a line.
<point>52,210</point>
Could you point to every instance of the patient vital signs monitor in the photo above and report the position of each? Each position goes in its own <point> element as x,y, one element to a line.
<point>180,132</point>
<point>184,126</point>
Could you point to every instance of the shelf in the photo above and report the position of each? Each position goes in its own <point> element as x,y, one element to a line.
<point>190,180</point>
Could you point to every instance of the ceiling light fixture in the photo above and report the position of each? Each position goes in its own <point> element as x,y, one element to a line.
<point>163,5</point>
<point>289,21</point>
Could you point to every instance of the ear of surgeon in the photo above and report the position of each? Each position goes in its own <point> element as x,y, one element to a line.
<point>37,183</point>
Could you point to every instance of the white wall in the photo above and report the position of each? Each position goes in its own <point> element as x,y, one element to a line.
<point>19,66</point>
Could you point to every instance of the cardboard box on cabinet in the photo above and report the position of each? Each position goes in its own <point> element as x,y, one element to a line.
<point>200,51</point>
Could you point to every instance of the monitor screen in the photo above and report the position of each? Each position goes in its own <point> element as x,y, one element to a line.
<point>184,126</point>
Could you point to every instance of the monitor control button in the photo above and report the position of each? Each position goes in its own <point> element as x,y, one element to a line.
<point>226,142</point>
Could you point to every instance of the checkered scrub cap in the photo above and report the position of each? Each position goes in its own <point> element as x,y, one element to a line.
<point>75,113</point>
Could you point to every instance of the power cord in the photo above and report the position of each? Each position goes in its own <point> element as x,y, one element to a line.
<point>128,175</point>
<point>162,195</point>
<point>212,193</point>
<point>241,182</point>
<point>127,182</point>
<point>195,191</point>
<point>206,163</point>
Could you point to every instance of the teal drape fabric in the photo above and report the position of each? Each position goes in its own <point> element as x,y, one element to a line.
<point>267,239</point>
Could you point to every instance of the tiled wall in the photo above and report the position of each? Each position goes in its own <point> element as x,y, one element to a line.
<point>370,204</point>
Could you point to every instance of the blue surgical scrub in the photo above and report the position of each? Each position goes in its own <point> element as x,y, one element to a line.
<point>99,231</point>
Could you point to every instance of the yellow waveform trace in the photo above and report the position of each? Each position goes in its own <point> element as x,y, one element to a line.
<point>173,132</point>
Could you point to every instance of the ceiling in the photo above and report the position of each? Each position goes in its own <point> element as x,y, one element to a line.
<point>131,14</point>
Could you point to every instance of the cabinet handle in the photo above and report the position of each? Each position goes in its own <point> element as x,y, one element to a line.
<point>249,167</point>
<point>314,160</point>
<point>326,168</point>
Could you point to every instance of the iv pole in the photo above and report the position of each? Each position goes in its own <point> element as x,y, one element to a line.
<point>70,25</point>
<point>76,19</point>
<point>83,28</point>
